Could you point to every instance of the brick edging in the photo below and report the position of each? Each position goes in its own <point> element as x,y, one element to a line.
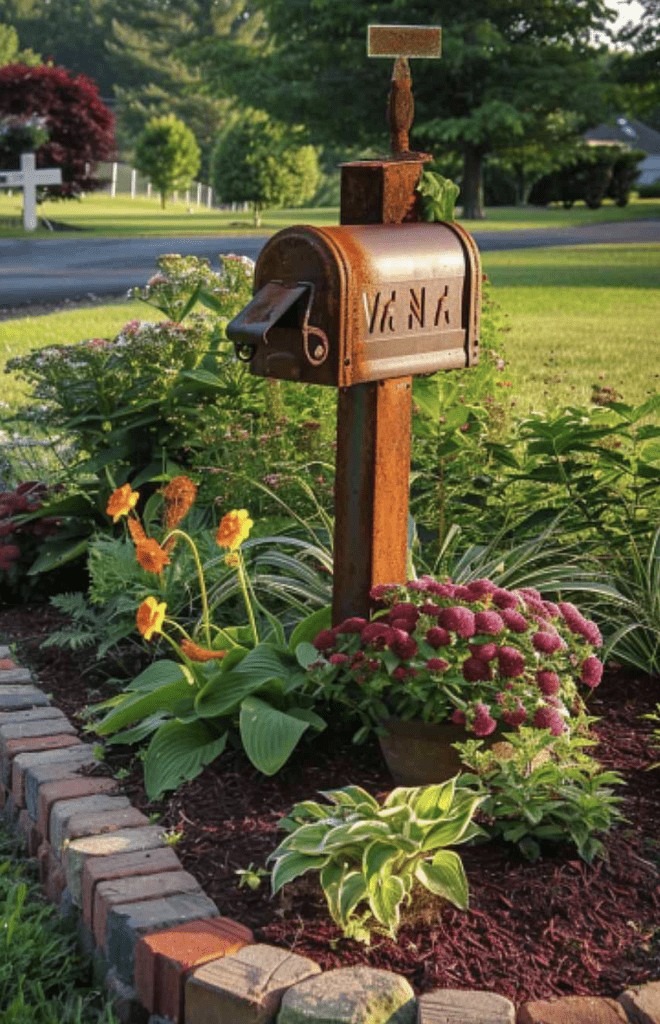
<point>157,941</point>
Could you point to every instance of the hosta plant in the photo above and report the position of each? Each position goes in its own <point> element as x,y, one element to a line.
<point>372,854</point>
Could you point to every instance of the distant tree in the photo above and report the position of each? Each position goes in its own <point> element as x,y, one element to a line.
<point>260,161</point>
<point>80,127</point>
<point>505,66</point>
<point>10,51</point>
<point>167,154</point>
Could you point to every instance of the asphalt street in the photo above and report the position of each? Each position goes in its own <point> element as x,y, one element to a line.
<point>48,270</point>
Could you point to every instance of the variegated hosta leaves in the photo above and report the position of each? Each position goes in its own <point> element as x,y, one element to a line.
<point>371,853</point>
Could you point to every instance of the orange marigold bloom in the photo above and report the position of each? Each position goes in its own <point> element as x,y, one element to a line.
<point>179,496</point>
<point>136,530</point>
<point>151,556</point>
<point>121,502</point>
<point>234,529</point>
<point>150,617</point>
<point>197,653</point>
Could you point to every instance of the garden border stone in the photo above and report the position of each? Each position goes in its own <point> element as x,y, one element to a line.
<point>149,933</point>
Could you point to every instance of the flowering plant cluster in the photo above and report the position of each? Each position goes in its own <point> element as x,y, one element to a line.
<point>20,539</point>
<point>181,281</point>
<point>478,655</point>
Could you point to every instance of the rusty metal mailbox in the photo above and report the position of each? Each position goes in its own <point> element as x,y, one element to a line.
<point>347,305</point>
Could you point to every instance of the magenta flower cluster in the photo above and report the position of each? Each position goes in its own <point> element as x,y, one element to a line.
<point>476,654</point>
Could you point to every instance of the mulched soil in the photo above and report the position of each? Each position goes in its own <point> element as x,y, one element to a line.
<point>533,931</point>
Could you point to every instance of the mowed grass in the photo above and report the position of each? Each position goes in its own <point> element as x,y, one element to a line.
<point>579,316</point>
<point>102,216</point>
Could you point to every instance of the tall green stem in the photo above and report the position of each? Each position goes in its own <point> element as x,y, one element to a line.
<point>242,579</point>
<point>200,576</point>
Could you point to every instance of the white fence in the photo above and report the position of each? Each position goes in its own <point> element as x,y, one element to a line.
<point>127,181</point>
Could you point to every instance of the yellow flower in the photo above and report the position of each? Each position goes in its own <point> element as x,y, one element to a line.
<point>151,556</point>
<point>150,616</point>
<point>197,653</point>
<point>234,529</point>
<point>179,496</point>
<point>121,502</point>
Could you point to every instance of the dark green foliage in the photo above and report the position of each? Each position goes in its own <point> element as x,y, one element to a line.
<point>600,171</point>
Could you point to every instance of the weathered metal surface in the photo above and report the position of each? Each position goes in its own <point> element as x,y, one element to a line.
<point>381,191</point>
<point>400,107</point>
<point>404,41</point>
<point>346,305</point>
<point>371,492</point>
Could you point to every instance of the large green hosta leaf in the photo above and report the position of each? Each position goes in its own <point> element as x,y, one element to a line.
<point>178,753</point>
<point>137,706</point>
<point>445,876</point>
<point>269,736</point>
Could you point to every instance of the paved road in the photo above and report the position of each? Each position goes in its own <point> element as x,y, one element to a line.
<point>47,270</point>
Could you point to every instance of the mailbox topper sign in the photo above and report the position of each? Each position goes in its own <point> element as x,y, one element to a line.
<point>346,305</point>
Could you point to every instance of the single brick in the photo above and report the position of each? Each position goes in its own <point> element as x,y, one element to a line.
<point>41,727</point>
<point>163,960</point>
<point>572,1010</point>
<point>30,715</point>
<point>15,676</point>
<point>13,698</point>
<point>7,663</point>
<point>96,824</point>
<point>246,987</point>
<point>350,994</point>
<point>105,869</point>
<point>68,789</point>
<point>51,874</point>
<point>642,1003</point>
<point>124,841</point>
<point>53,771</point>
<point>466,1007</point>
<point>64,810</point>
<point>31,745</point>
<point>30,832</point>
<point>128,922</point>
<point>135,889</point>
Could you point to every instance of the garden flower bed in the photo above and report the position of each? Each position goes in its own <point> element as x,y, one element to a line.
<point>533,930</point>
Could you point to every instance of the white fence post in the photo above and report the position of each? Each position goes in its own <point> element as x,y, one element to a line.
<point>187,197</point>
<point>113,186</point>
<point>133,182</point>
<point>209,197</point>
<point>148,190</point>
<point>199,193</point>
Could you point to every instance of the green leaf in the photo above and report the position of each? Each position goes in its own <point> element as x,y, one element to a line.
<point>306,654</point>
<point>57,555</point>
<point>434,801</point>
<point>352,889</point>
<point>224,693</point>
<point>377,862</point>
<point>137,706</point>
<point>306,839</point>
<point>291,865</point>
<point>309,628</point>
<point>139,732</point>
<point>269,736</point>
<point>309,716</point>
<point>349,796</point>
<point>178,753</point>
<point>157,673</point>
<point>384,902</point>
<point>308,809</point>
<point>445,876</point>
<point>451,831</point>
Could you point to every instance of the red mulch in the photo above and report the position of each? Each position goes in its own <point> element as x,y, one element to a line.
<point>557,927</point>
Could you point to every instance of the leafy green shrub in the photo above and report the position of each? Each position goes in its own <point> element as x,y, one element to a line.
<point>651,191</point>
<point>373,854</point>
<point>535,788</point>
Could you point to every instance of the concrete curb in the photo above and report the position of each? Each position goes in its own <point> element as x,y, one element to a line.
<point>160,945</point>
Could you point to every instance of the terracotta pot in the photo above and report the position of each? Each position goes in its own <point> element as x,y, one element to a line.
<point>419,753</point>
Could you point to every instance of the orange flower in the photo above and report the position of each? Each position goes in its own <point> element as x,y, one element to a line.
<point>232,560</point>
<point>151,556</point>
<point>150,617</point>
<point>234,529</point>
<point>135,529</point>
<point>197,653</point>
<point>121,502</point>
<point>179,496</point>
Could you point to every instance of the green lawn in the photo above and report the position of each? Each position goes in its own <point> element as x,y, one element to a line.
<point>102,216</point>
<point>579,316</point>
<point>574,313</point>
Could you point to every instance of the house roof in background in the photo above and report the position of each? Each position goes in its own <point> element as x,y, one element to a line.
<point>634,133</point>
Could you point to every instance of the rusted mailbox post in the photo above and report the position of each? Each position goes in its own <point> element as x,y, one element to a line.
<point>362,307</point>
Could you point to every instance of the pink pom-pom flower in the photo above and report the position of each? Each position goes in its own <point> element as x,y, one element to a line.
<point>591,671</point>
<point>511,662</point>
